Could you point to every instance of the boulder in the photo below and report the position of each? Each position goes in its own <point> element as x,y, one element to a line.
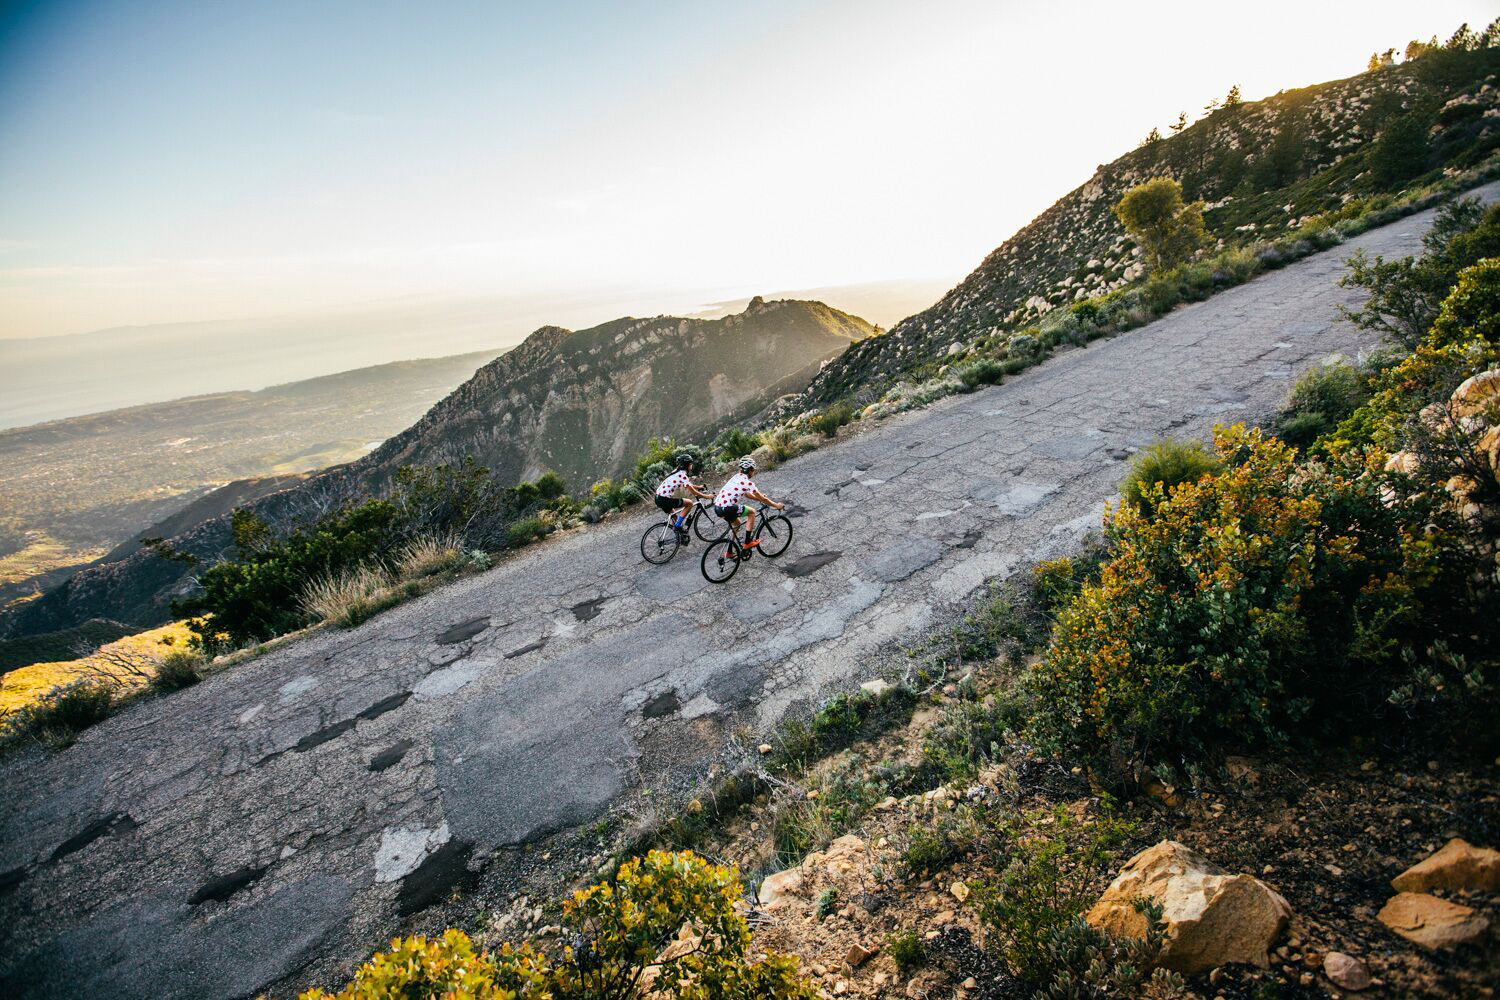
<point>1458,865</point>
<point>1431,922</point>
<point>876,687</point>
<point>1212,917</point>
<point>1477,394</point>
<point>775,889</point>
<point>1346,971</point>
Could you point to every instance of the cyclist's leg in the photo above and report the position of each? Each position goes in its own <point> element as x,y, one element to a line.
<point>750,541</point>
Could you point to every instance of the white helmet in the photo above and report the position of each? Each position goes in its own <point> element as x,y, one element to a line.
<point>747,464</point>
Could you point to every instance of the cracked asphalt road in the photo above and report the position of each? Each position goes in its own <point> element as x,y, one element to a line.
<point>269,827</point>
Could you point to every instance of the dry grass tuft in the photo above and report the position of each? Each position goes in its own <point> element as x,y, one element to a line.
<point>332,597</point>
<point>427,555</point>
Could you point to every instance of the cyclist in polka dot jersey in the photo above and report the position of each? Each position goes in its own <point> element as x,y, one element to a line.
<point>730,502</point>
<point>666,500</point>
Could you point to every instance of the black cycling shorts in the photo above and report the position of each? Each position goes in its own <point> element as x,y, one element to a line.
<point>730,512</point>
<point>668,505</point>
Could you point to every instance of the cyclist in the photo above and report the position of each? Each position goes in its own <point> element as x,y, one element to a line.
<point>678,510</point>
<point>729,502</point>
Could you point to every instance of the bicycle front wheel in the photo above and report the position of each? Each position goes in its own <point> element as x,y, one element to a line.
<point>706,526</point>
<point>659,543</point>
<point>775,535</point>
<point>720,560</point>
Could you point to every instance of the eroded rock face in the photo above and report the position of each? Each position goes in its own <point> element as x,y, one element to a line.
<point>1212,917</point>
<point>1431,922</point>
<point>1459,865</point>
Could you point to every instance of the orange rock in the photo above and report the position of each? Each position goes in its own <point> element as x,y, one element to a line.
<point>1431,922</point>
<point>1458,865</point>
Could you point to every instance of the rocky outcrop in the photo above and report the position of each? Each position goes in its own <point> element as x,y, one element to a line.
<point>1212,917</point>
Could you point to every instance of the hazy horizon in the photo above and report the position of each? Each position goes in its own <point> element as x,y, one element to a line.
<point>175,163</point>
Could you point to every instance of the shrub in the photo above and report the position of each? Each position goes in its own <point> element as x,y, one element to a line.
<point>57,717</point>
<point>985,371</point>
<point>1163,467</point>
<point>826,902</point>
<point>624,932</point>
<point>1320,400</point>
<point>179,669</point>
<point>906,950</point>
<point>735,444</point>
<point>831,419</point>
<point>1399,152</point>
<point>524,532</point>
<point>1251,602</point>
<point>1086,963</point>
<point>931,848</point>
<point>1046,885</point>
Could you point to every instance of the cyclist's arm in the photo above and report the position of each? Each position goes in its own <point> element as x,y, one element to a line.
<point>760,497</point>
<point>695,491</point>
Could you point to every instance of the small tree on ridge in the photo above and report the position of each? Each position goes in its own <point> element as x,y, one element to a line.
<point>1167,230</point>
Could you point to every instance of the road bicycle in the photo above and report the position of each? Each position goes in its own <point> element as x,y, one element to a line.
<point>661,541</point>
<point>724,554</point>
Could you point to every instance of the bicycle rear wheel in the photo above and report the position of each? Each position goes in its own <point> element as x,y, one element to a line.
<point>775,535</point>
<point>659,544</point>
<point>720,560</point>
<point>706,526</point>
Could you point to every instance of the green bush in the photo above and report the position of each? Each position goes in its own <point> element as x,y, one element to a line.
<point>735,444</point>
<point>1250,605</point>
<point>1085,963</point>
<point>931,848</point>
<point>985,371</point>
<point>622,927</point>
<point>1320,400</point>
<point>179,669</point>
<point>906,950</point>
<point>524,532</point>
<point>1164,466</point>
<point>831,419</point>
<point>57,717</point>
<point>1047,883</point>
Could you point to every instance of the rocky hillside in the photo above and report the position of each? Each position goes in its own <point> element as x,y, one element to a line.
<point>584,403</point>
<point>580,403</point>
<point>1263,168</point>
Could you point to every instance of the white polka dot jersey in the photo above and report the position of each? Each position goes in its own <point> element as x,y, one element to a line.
<point>734,491</point>
<point>672,483</point>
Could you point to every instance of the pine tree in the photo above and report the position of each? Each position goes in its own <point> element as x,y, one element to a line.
<point>1232,99</point>
<point>1373,64</point>
<point>1180,124</point>
<point>1463,40</point>
<point>1153,136</point>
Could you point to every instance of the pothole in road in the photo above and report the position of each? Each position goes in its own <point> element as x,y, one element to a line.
<point>588,610</point>
<point>445,869</point>
<point>810,563</point>
<point>662,704</point>
<point>466,629</point>
<point>391,756</point>
<point>113,825</point>
<point>220,888</point>
<point>530,647</point>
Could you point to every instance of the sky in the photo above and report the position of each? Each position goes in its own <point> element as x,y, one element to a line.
<point>167,162</point>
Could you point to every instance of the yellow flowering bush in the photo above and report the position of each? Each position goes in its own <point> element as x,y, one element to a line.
<point>1244,605</point>
<point>666,926</point>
